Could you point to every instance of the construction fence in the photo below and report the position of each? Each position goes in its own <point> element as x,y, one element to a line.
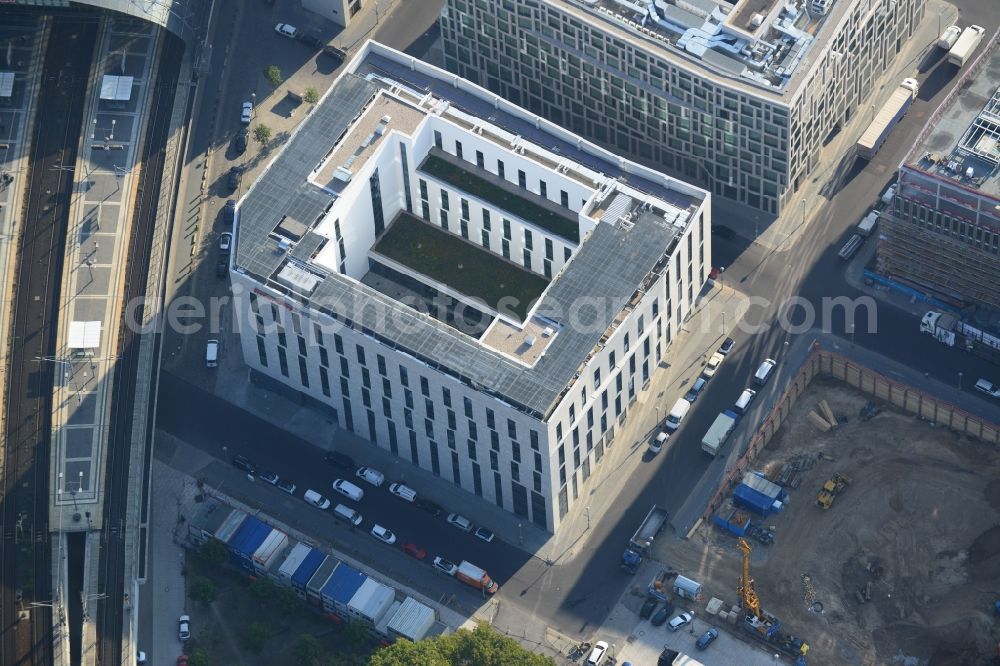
<point>903,396</point>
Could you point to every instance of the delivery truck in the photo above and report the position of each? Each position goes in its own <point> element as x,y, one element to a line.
<point>887,118</point>
<point>718,433</point>
<point>954,332</point>
<point>965,45</point>
<point>949,37</point>
<point>472,575</point>
<point>640,543</point>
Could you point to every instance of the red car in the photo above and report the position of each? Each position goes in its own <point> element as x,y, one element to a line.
<point>414,551</point>
<point>182,660</point>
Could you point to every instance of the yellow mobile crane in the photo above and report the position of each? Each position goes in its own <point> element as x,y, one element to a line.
<point>762,625</point>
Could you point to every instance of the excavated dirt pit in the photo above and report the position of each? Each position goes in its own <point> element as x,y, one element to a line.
<point>916,535</point>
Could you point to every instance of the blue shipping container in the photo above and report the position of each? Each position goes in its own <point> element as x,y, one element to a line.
<point>246,541</point>
<point>752,500</point>
<point>308,567</point>
<point>341,587</point>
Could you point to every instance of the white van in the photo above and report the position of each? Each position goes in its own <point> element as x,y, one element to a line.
<point>764,371</point>
<point>347,514</point>
<point>317,500</point>
<point>212,353</point>
<point>403,492</point>
<point>371,475</point>
<point>348,490</point>
<point>677,414</point>
<point>744,400</point>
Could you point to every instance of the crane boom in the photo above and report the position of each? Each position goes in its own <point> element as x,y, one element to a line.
<point>748,596</point>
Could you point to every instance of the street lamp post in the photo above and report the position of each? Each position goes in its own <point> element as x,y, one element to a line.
<point>520,536</point>
<point>723,322</point>
<point>959,380</point>
<point>588,517</point>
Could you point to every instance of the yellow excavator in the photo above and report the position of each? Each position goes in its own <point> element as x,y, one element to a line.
<point>760,624</point>
<point>831,489</point>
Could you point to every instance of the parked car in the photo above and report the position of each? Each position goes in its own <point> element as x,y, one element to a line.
<point>243,463</point>
<point>429,506</point>
<point>723,232</point>
<point>403,492</point>
<point>597,655</point>
<point>242,140</point>
<point>707,638</point>
<point>656,444</point>
<point>246,114</point>
<point>371,475</point>
<point>696,389</point>
<point>225,242</point>
<point>221,267</point>
<point>383,534</point>
<point>286,30</point>
<point>340,460</point>
<point>461,522</point>
<point>229,212</point>
<point>727,346</point>
<point>988,387</point>
<point>679,621</point>
<point>445,566</point>
<point>647,608</point>
<point>414,551</point>
<point>484,534</point>
<point>334,52</point>
<point>661,616</point>
<point>311,40</point>
<point>713,365</point>
<point>348,490</point>
<point>233,179</point>
<point>287,486</point>
<point>317,500</point>
<point>268,477</point>
<point>184,627</point>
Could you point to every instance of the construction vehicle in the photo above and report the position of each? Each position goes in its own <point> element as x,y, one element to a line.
<point>640,543</point>
<point>833,487</point>
<point>760,624</point>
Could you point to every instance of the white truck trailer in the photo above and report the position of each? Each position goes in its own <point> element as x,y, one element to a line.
<point>718,432</point>
<point>887,117</point>
<point>965,45</point>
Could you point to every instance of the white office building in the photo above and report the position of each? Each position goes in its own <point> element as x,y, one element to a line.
<point>737,94</point>
<point>463,283</point>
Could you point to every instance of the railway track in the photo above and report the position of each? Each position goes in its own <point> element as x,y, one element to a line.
<point>112,600</point>
<point>26,604</point>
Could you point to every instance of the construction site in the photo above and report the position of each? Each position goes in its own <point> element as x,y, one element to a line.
<point>883,545</point>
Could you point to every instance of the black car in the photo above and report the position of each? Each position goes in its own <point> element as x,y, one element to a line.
<point>723,232</point>
<point>229,212</point>
<point>242,140</point>
<point>243,463</point>
<point>221,267</point>
<point>430,507</point>
<point>648,608</point>
<point>234,178</point>
<point>727,346</point>
<point>334,52</point>
<point>340,460</point>
<point>310,40</point>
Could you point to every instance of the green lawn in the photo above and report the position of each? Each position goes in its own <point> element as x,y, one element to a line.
<point>462,266</point>
<point>563,225</point>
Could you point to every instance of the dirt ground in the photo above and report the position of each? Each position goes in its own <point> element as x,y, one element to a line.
<point>919,522</point>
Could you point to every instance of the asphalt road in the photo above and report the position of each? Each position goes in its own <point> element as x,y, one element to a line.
<point>576,596</point>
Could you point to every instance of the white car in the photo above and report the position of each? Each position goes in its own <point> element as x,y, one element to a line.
<point>371,475</point>
<point>461,522</point>
<point>382,534</point>
<point>656,445</point>
<point>988,387</point>
<point>286,30</point>
<point>445,566</point>
<point>597,655</point>
<point>247,114</point>
<point>713,365</point>
<point>679,621</point>
<point>184,627</point>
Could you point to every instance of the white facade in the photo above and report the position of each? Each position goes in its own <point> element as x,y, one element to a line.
<point>529,455</point>
<point>341,12</point>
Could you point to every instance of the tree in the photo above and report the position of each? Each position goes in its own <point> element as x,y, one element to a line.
<point>273,75</point>
<point>310,96</point>
<point>308,650</point>
<point>483,646</point>
<point>286,601</point>
<point>198,657</point>
<point>356,634</point>
<point>257,634</point>
<point>262,589</point>
<point>202,590</point>
<point>262,134</point>
<point>212,552</point>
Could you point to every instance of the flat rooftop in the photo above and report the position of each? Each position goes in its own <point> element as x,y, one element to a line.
<point>761,45</point>
<point>460,265</point>
<point>965,132</point>
<point>284,228</point>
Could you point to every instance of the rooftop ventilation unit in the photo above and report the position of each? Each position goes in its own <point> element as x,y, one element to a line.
<point>529,341</point>
<point>343,174</point>
<point>548,332</point>
<point>284,245</point>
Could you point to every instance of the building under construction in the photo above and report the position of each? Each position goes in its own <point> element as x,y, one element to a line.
<point>942,234</point>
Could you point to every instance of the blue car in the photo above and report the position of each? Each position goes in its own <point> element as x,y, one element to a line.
<point>707,638</point>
